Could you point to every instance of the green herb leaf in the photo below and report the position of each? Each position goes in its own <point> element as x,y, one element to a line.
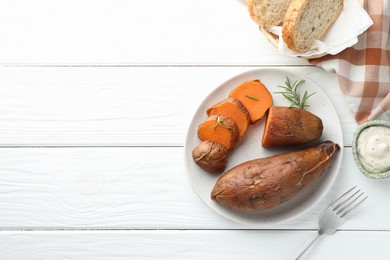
<point>291,93</point>
<point>252,97</point>
<point>220,123</point>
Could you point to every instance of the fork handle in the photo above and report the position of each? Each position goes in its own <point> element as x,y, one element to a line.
<point>308,246</point>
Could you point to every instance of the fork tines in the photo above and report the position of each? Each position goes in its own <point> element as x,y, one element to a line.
<point>346,202</point>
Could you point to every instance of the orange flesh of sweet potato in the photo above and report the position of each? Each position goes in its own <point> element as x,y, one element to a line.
<point>255,97</point>
<point>220,129</point>
<point>267,182</point>
<point>290,126</point>
<point>234,109</point>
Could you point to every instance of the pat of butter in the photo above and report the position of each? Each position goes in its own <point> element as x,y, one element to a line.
<point>373,147</point>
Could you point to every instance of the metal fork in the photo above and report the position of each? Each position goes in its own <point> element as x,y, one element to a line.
<point>335,214</point>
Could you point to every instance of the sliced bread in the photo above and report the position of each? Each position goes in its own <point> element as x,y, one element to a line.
<point>268,13</point>
<point>307,20</point>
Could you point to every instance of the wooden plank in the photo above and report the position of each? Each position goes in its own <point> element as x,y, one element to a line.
<point>133,32</point>
<point>118,106</point>
<point>139,188</point>
<point>189,244</point>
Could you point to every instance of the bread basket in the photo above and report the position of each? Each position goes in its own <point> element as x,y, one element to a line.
<point>274,39</point>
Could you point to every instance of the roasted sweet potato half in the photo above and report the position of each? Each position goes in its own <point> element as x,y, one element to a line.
<point>211,156</point>
<point>267,182</point>
<point>290,126</point>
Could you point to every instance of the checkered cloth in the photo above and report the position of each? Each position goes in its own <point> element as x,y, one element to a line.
<point>363,70</point>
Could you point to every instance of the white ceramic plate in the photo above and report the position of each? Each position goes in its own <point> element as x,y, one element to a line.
<point>250,146</point>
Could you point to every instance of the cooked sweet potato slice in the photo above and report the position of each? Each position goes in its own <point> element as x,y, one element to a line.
<point>255,97</point>
<point>220,129</point>
<point>291,126</point>
<point>235,110</point>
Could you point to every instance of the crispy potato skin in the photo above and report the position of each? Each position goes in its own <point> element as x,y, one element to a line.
<point>211,156</point>
<point>267,182</point>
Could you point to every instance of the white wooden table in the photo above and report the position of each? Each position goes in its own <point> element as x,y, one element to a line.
<point>95,100</point>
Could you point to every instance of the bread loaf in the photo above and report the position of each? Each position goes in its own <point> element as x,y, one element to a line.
<point>307,20</point>
<point>267,13</point>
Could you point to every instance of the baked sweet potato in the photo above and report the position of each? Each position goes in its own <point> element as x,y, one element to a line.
<point>290,126</point>
<point>235,110</point>
<point>267,182</point>
<point>220,129</point>
<point>255,97</point>
<point>211,156</point>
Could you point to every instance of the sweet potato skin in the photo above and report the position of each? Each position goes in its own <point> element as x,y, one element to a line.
<point>267,182</point>
<point>211,156</point>
<point>290,126</point>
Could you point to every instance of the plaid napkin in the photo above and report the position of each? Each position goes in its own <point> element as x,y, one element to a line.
<point>363,70</point>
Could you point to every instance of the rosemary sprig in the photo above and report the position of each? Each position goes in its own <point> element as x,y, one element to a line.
<point>252,97</point>
<point>220,123</point>
<point>291,93</point>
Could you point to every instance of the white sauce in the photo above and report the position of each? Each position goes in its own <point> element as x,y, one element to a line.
<point>373,147</point>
